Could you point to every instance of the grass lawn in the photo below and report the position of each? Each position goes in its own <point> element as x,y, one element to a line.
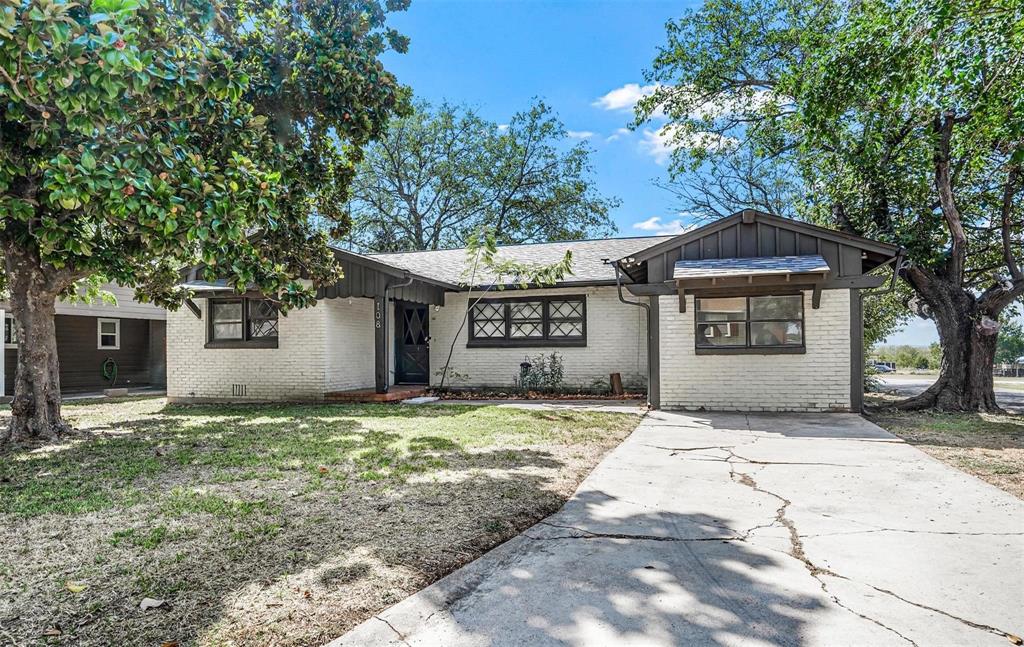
<point>990,447</point>
<point>267,525</point>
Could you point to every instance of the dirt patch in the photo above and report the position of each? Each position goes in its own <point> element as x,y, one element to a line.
<point>268,525</point>
<point>988,446</point>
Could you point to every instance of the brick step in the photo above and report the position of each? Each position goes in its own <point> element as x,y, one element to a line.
<point>394,394</point>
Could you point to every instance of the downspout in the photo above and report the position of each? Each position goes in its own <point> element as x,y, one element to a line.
<point>647,309</point>
<point>899,264</point>
<point>407,281</point>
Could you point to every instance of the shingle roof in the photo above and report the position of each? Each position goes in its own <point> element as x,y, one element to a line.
<point>588,256</point>
<point>722,267</point>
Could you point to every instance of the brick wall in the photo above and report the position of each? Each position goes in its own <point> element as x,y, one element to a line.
<point>816,381</point>
<point>349,362</point>
<point>616,342</point>
<point>293,371</point>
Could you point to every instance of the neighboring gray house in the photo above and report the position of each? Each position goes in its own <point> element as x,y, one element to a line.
<point>129,334</point>
<point>752,312</point>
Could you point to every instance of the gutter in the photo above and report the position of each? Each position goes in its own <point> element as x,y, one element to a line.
<point>899,264</point>
<point>650,347</point>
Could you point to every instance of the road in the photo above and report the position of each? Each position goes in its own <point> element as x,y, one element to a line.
<point>1012,401</point>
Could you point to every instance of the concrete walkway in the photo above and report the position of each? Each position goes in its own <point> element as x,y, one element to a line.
<point>733,529</point>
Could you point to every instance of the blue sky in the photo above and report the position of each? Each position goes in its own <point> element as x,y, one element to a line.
<point>498,56</point>
<point>586,59</point>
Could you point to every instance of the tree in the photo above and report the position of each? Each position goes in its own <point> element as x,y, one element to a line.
<point>898,121</point>
<point>138,137</point>
<point>440,175</point>
<point>1010,347</point>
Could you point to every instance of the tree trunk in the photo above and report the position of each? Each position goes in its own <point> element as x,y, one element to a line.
<point>33,292</point>
<point>968,352</point>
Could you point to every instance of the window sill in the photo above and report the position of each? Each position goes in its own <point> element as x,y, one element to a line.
<point>240,343</point>
<point>526,343</point>
<point>761,350</point>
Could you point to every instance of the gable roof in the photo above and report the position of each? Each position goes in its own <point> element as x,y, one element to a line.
<point>588,259</point>
<point>755,234</point>
<point>749,216</point>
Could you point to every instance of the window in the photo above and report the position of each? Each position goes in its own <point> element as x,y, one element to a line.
<point>242,323</point>
<point>761,324</point>
<point>10,332</point>
<point>529,321</point>
<point>108,334</point>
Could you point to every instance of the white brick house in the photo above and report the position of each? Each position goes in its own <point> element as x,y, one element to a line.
<point>752,312</point>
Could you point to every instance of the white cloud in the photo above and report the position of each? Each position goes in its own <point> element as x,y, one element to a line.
<point>660,143</point>
<point>624,98</point>
<point>579,134</point>
<point>657,227</point>
<point>502,128</point>
<point>618,134</point>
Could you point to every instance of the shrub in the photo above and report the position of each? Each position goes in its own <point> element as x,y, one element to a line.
<point>540,373</point>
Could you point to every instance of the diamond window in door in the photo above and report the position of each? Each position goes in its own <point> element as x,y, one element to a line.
<point>489,320</point>
<point>527,319</point>
<point>415,330</point>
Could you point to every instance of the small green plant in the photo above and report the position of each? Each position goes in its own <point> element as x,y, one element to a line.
<point>540,373</point>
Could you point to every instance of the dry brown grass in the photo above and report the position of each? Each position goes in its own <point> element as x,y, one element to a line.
<point>988,446</point>
<point>280,525</point>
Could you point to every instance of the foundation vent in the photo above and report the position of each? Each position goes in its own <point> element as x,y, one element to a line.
<point>238,390</point>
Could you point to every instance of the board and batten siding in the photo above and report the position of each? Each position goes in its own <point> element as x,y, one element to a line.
<point>815,381</point>
<point>616,343</point>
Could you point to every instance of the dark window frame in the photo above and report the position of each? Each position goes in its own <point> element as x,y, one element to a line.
<point>546,340</point>
<point>246,340</point>
<point>749,348</point>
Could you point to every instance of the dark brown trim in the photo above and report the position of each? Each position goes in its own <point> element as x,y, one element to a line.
<point>749,348</point>
<point>839,283</point>
<point>654,353</point>
<point>267,342</point>
<point>856,351</point>
<point>526,343</point>
<point>752,350</point>
<point>244,341</point>
<point>532,342</point>
<point>193,308</point>
<point>380,344</point>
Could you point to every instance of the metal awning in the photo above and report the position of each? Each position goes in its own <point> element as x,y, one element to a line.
<point>762,266</point>
<point>799,272</point>
<point>219,286</point>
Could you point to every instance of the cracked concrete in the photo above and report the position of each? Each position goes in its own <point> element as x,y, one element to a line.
<point>736,529</point>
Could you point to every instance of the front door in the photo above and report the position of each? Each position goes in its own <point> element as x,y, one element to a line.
<point>413,357</point>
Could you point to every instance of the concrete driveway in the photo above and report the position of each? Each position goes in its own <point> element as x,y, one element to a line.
<point>733,529</point>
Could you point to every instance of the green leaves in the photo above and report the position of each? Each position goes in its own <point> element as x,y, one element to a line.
<point>155,136</point>
<point>440,173</point>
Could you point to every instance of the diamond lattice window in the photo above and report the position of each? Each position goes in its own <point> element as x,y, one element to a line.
<point>529,322</point>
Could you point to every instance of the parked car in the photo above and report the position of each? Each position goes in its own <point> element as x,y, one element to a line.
<point>881,368</point>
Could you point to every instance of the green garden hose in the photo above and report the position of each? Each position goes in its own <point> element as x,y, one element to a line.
<point>110,370</point>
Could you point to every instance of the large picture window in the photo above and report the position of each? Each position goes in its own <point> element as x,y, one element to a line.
<point>242,322</point>
<point>750,324</point>
<point>529,321</point>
